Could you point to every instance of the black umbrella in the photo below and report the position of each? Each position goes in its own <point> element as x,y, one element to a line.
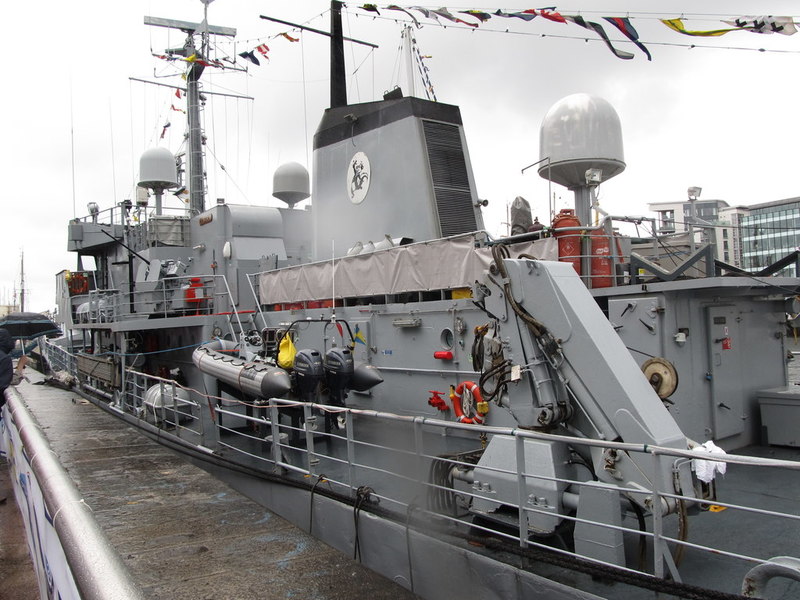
<point>28,325</point>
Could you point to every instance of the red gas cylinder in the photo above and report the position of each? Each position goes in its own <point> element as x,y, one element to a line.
<point>569,242</point>
<point>602,266</point>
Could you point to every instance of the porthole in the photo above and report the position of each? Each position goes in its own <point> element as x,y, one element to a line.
<point>447,338</point>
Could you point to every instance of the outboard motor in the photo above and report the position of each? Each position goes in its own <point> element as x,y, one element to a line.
<point>339,377</point>
<point>338,373</point>
<point>308,372</point>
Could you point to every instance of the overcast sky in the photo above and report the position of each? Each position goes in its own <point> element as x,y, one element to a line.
<point>722,118</point>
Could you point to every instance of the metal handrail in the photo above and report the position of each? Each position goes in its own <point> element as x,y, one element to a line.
<point>659,537</point>
<point>97,569</point>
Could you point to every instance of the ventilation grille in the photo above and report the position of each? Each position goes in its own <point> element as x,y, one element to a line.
<point>450,180</point>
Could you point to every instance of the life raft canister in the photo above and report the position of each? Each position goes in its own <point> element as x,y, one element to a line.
<point>192,298</point>
<point>474,409</point>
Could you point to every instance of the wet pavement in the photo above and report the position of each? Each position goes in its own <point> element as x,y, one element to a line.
<point>16,569</point>
<point>180,532</point>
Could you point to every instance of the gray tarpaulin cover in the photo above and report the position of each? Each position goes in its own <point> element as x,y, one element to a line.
<point>441,264</point>
<point>167,230</point>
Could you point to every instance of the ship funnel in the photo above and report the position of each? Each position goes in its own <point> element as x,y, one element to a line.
<point>579,133</point>
<point>290,183</point>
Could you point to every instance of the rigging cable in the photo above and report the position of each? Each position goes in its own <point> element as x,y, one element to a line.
<point>305,94</point>
<point>229,176</point>
<point>353,79</point>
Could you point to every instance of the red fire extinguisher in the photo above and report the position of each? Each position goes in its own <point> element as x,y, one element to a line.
<point>569,242</point>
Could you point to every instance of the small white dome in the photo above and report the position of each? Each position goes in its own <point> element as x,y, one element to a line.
<point>157,169</point>
<point>578,133</point>
<point>290,183</point>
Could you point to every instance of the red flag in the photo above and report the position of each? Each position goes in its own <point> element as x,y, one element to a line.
<point>290,38</point>
<point>177,93</point>
<point>551,16</point>
<point>263,49</point>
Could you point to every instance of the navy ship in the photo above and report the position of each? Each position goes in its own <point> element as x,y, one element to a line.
<point>467,415</point>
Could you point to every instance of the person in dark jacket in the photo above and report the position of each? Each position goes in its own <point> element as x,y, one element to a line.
<point>6,366</point>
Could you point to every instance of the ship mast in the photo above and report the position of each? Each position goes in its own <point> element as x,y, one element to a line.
<point>195,56</point>
<point>197,192</point>
<point>22,282</point>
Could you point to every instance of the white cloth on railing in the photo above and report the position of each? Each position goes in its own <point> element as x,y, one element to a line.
<point>707,469</point>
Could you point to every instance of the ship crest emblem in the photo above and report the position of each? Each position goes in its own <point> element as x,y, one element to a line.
<point>358,177</point>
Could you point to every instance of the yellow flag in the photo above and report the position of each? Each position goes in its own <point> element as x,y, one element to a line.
<point>677,25</point>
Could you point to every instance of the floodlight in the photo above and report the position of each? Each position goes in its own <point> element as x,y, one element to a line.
<point>594,176</point>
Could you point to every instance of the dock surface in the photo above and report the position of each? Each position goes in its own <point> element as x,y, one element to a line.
<point>181,532</point>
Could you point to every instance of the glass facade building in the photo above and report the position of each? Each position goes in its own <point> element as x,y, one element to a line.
<point>769,233</point>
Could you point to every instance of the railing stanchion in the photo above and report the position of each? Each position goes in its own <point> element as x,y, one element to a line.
<point>274,415</point>
<point>521,491</point>
<point>351,451</point>
<point>308,423</point>
<point>419,448</point>
<point>661,552</point>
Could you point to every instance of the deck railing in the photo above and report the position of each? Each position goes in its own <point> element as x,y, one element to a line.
<point>179,296</point>
<point>289,438</point>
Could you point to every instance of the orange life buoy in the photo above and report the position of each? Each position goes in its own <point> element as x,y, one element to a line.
<point>78,284</point>
<point>458,407</point>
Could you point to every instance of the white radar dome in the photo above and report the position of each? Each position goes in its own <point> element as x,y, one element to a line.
<point>578,133</point>
<point>290,183</point>
<point>157,169</point>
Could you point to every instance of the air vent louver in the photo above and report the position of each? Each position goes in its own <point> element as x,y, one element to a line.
<point>450,179</point>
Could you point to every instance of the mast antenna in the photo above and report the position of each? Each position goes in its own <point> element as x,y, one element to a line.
<point>338,80</point>
<point>22,281</point>
<point>195,131</point>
